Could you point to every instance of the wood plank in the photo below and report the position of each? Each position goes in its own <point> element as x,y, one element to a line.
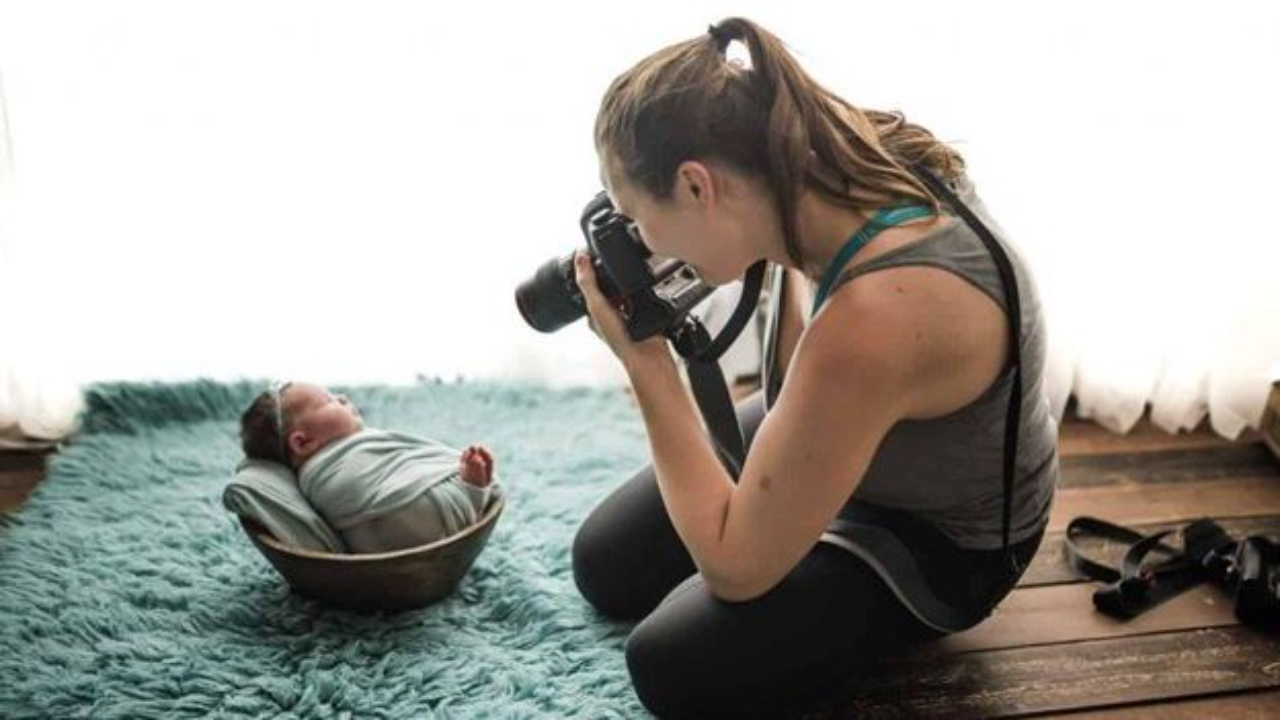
<point>1065,613</point>
<point>22,461</point>
<point>1077,436</point>
<point>20,472</point>
<point>1057,678</point>
<point>11,500</point>
<point>1175,465</point>
<point>1168,502</point>
<point>1050,566</point>
<point>21,479</point>
<point>1260,705</point>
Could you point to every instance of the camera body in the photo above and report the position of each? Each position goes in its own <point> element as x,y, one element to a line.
<point>652,293</point>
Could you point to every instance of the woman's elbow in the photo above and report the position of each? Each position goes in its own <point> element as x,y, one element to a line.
<point>733,594</point>
<point>737,587</point>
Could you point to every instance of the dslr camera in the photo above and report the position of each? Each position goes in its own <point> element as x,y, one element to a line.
<point>653,294</point>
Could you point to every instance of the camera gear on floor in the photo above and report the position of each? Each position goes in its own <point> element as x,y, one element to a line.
<point>1248,569</point>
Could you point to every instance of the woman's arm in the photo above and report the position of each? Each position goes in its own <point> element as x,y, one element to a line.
<point>885,347</point>
<point>695,488</point>
<point>843,394</point>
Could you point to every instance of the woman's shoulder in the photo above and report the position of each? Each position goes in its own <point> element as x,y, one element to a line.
<point>932,332</point>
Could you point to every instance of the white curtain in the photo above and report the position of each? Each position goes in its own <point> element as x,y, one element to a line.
<point>36,408</point>
<point>351,191</point>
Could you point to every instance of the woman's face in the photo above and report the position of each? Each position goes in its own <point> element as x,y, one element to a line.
<point>697,224</point>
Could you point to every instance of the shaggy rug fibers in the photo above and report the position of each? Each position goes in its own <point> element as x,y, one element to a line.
<point>126,590</point>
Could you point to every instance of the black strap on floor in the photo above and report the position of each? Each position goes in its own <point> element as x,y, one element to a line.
<point>1248,569</point>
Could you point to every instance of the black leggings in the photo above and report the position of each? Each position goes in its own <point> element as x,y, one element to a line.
<point>694,655</point>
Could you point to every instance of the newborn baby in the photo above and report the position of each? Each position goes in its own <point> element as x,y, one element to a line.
<point>380,490</point>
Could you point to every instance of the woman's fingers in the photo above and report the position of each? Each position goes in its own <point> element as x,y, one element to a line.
<point>602,316</point>
<point>586,277</point>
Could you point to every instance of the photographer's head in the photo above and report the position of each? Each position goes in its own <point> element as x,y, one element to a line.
<point>714,158</point>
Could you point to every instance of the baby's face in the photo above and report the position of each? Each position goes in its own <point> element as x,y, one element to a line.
<point>317,417</point>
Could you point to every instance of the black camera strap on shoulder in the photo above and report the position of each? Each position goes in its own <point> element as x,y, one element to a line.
<point>1014,311</point>
<point>702,359</point>
<point>1248,569</point>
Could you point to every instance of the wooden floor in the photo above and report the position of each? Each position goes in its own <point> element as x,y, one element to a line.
<point>1046,651</point>
<point>20,472</point>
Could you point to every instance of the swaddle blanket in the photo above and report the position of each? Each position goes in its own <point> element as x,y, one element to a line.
<point>267,493</point>
<point>374,473</point>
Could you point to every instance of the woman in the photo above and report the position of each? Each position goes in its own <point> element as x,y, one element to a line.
<point>894,395</point>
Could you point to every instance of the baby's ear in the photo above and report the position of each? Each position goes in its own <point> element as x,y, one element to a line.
<point>298,442</point>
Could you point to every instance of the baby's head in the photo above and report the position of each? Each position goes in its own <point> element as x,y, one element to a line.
<point>291,422</point>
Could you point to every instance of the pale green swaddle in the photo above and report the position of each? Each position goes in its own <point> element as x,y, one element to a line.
<point>267,493</point>
<point>384,490</point>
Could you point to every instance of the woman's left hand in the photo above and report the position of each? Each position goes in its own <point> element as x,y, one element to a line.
<point>606,322</point>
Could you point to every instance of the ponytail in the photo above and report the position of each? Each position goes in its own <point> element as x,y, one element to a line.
<point>770,120</point>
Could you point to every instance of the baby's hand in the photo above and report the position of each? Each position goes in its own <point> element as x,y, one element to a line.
<point>476,465</point>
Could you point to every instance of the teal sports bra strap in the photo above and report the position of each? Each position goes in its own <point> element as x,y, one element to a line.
<point>884,218</point>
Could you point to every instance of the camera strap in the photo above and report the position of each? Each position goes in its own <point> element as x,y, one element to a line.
<point>1013,419</point>
<point>1248,569</point>
<point>702,360</point>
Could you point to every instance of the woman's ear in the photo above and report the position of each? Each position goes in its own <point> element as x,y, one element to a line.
<point>695,181</point>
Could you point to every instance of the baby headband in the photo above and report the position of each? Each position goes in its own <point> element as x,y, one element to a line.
<point>277,397</point>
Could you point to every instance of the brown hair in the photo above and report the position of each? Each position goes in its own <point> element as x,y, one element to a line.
<point>258,435</point>
<point>770,121</point>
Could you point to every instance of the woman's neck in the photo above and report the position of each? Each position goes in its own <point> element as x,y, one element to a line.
<point>823,228</point>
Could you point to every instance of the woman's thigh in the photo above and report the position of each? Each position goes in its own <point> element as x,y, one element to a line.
<point>698,656</point>
<point>627,555</point>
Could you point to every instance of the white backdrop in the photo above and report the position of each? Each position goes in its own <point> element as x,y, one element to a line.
<point>350,191</point>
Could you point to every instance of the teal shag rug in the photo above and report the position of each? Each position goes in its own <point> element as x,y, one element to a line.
<point>127,591</point>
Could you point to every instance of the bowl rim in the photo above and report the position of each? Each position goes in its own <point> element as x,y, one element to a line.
<point>261,534</point>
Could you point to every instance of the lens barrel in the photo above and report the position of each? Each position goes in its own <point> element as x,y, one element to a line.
<point>551,299</point>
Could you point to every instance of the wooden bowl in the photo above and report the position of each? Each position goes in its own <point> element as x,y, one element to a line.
<point>397,580</point>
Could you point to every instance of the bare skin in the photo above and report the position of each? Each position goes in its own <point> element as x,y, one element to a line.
<point>476,465</point>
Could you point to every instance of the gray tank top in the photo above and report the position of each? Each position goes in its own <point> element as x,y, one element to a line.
<point>949,470</point>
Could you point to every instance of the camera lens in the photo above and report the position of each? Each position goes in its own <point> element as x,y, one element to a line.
<point>550,299</point>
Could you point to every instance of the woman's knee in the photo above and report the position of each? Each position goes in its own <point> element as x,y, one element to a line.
<point>652,661</point>
<point>680,664</point>
<point>626,555</point>
<point>602,569</point>
<point>674,680</point>
<point>593,570</point>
